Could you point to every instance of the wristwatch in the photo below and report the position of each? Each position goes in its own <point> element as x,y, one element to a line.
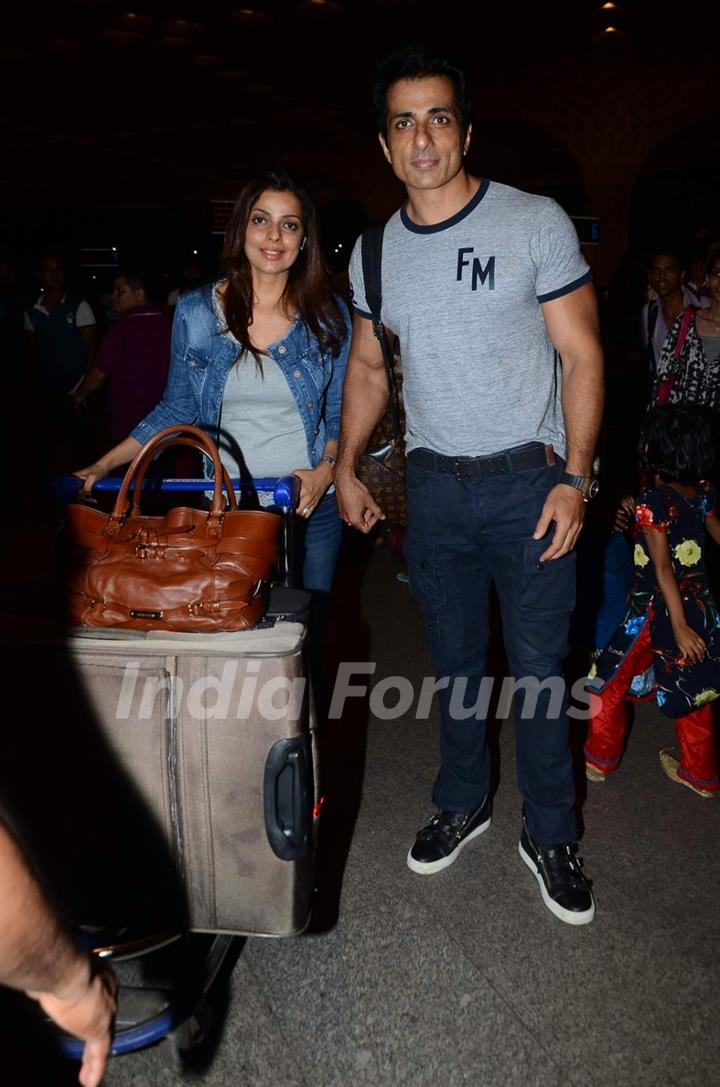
<point>587,485</point>
<point>329,460</point>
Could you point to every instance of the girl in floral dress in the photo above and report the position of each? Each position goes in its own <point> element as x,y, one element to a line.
<point>669,641</point>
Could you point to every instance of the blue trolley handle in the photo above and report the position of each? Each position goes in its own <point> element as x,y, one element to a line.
<point>285,489</point>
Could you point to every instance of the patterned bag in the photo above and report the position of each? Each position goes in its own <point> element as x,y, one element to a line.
<point>382,468</point>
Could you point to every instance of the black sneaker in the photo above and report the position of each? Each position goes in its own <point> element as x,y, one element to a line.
<point>438,844</point>
<point>565,890</point>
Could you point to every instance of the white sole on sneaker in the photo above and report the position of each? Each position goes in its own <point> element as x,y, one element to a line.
<point>570,917</point>
<point>444,862</point>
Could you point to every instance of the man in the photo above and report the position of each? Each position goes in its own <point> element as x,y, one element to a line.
<point>61,341</point>
<point>485,287</point>
<point>135,356</point>
<point>61,331</point>
<point>666,276</point>
<point>38,956</point>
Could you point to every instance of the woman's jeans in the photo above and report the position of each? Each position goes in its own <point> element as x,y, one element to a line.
<point>317,542</point>
<point>461,537</point>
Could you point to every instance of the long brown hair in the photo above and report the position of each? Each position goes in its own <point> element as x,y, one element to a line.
<point>307,290</point>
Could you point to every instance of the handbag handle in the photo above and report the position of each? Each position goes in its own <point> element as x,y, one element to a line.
<point>144,455</point>
<point>189,443</point>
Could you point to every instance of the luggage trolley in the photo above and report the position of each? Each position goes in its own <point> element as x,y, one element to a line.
<point>180,1018</point>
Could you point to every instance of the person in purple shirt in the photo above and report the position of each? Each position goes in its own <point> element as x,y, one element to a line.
<point>134,357</point>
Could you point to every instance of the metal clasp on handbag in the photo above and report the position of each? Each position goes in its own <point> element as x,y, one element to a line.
<point>202,607</point>
<point>150,550</point>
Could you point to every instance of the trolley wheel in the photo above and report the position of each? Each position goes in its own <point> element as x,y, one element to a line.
<point>186,1040</point>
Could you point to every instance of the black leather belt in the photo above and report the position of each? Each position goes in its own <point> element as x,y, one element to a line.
<point>467,469</point>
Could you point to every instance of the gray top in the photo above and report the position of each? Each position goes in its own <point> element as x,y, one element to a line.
<point>479,371</point>
<point>260,420</point>
<point>711,346</point>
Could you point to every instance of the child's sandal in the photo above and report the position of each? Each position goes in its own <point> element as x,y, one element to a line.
<point>671,765</point>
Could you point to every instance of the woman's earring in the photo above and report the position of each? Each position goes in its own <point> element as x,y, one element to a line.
<point>302,244</point>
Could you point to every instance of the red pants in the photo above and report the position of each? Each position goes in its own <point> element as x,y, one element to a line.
<point>604,746</point>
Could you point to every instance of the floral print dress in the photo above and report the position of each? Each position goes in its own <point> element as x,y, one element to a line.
<point>678,686</point>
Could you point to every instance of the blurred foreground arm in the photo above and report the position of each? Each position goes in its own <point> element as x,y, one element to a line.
<point>38,956</point>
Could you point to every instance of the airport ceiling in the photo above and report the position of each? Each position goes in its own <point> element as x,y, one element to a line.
<point>107,102</point>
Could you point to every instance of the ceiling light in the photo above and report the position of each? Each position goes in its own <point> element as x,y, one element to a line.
<point>133,21</point>
<point>611,30</point>
<point>249,17</point>
<point>61,45</point>
<point>320,8</point>
<point>119,37</point>
<point>180,28</point>
<point>173,41</point>
<point>206,60</point>
<point>609,6</point>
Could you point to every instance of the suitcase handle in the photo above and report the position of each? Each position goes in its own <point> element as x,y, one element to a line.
<point>288,798</point>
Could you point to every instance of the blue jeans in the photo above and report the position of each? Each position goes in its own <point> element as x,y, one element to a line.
<point>317,542</point>
<point>461,537</point>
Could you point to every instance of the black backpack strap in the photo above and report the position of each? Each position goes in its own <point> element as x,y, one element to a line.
<point>371,248</point>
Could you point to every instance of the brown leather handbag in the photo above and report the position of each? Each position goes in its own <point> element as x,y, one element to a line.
<point>190,570</point>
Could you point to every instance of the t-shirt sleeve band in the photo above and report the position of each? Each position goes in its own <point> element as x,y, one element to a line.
<point>587,278</point>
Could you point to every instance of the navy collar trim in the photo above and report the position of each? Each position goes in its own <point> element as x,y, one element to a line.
<point>434,228</point>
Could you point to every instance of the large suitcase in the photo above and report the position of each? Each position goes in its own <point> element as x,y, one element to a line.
<point>217,733</point>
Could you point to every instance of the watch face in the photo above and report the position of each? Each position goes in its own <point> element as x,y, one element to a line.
<point>593,488</point>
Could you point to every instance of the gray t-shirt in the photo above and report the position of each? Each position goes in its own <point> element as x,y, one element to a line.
<point>260,418</point>
<point>711,346</point>
<point>463,296</point>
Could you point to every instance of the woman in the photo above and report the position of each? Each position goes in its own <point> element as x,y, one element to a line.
<point>689,367</point>
<point>258,359</point>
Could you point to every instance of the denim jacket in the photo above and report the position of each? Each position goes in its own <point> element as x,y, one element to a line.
<point>203,354</point>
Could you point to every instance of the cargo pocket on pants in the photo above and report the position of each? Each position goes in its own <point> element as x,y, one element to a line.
<point>546,587</point>
<point>424,570</point>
